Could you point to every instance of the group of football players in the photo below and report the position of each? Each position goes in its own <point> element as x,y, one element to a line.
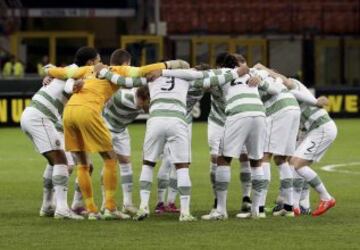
<point>256,115</point>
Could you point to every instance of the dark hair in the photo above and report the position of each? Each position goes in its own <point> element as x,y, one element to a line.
<point>202,66</point>
<point>85,54</point>
<point>239,58</point>
<point>226,60</point>
<point>143,92</point>
<point>119,57</point>
<point>221,58</point>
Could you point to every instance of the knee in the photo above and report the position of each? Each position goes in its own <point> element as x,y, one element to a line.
<point>123,159</point>
<point>222,160</point>
<point>214,158</point>
<point>255,163</point>
<point>279,159</point>
<point>267,157</point>
<point>243,157</point>
<point>59,157</point>
<point>181,165</point>
<point>149,163</point>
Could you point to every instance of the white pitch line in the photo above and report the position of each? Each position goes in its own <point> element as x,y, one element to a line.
<point>333,168</point>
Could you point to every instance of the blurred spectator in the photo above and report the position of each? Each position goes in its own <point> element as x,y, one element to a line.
<point>13,68</point>
<point>40,66</point>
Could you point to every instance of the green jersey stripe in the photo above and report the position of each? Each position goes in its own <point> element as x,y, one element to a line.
<point>307,112</point>
<point>118,103</point>
<point>130,98</point>
<point>116,113</point>
<point>43,109</point>
<point>216,120</point>
<point>320,121</point>
<point>239,96</point>
<point>168,113</point>
<point>245,108</point>
<point>168,101</point>
<point>66,95</point>
<point>56,103</point>
<point>281,104</point>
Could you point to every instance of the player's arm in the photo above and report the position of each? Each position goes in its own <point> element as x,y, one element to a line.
<point>272,86</point>
<point>191,75</point>
<point>67,72</point>
<point>127,82</point>
<point>302,94</point>
<point>143,70</point>
<point>286,81</point>
<point>216,80</point>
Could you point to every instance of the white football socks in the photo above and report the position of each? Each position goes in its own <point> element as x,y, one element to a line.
<point>258,183</point>
<point>60,180</point>
<point>146,178</point>
<point>267,178</point>
<point>314,181</point>
<point>126,177</point>
<point>47,186</point>
<point>77,199</point>
<point>184,188</point>
<point>172,190</point>
<point>222,177</point>
<point>245,178</point>
<point>286,183</point>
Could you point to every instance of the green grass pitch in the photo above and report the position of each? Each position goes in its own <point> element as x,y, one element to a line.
<point>21,190</point>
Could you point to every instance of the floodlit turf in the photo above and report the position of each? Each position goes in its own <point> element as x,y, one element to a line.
<point>21,189</point>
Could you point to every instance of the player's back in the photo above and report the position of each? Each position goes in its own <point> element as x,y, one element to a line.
<point>51,98</point>
<point>168,97</point>
<point>311,116</point>
<point>94,94</point>
<point>242,99</point>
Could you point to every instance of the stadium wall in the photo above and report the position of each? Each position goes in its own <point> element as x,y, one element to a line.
<point>15,95</point>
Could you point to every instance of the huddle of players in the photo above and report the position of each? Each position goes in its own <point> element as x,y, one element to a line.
<point>247,106</point>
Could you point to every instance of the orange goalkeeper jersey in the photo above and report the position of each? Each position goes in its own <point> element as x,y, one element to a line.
<point>96,92</point>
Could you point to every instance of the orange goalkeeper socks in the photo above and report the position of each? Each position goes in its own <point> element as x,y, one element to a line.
<point>84,179</point>
<point>110,183</point>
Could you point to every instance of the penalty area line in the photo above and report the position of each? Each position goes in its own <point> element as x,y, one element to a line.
<point>335,168</point>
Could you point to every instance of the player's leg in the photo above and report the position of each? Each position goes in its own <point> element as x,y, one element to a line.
<point>31,124</point>
<point>163,180</point>
<point>179,147</point>
<point>85,184</point>
<point>312,149</point>
<point>76,122</point>
<point>245,180</point>
<point>256,127</point>
<point>184,188</point>
<point>109,178</point>
<point>286,186</point>
<point>304,203</point>
<point>122,148</point>
<point>154,143</point>
<point>214,133</point>
<point>47,208</point>
<point>172,192</point>
<point>282,141</point>
<point>235,133</point>
<point>48,142</point>
<point>265,164</point>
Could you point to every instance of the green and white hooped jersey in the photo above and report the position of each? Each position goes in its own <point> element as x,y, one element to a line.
<point>168,97</point>
<point>241,99</point>
<point>121,110</point>
<point>193,96</point>
<point>50,100</point>
<point>312,117</point>
<point>217,109</point>
<point>274,94</point>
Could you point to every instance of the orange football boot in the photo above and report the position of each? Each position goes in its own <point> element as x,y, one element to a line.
<point>324,206</point>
